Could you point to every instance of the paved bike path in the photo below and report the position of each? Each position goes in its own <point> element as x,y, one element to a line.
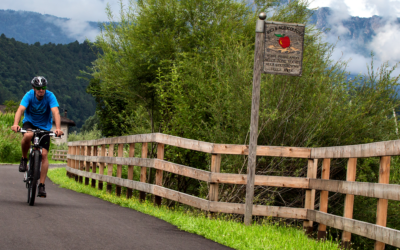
<point>70,220</point>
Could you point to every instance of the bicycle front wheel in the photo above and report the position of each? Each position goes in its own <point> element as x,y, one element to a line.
<point>35,176</point>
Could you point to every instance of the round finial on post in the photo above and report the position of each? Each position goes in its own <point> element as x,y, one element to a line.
<point>262,16</point>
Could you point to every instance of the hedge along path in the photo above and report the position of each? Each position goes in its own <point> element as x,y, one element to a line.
<point>382,190</point>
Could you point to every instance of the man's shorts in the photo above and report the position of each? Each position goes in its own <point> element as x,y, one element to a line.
<point>44,142</point>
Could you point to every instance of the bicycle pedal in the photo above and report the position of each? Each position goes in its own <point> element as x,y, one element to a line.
<point>41,196</point>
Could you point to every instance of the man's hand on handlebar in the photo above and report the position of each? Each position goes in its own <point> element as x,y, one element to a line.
<point>58,132</point>
<point>15,128</point>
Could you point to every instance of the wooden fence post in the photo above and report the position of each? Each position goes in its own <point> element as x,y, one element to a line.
<point>69,162</point>
<point>215,168</point>
<point>323,201</point>
<point>110,166</point>
<point>349,200</point>
<point>76,162</point>
<point>94,166</point>
<point>82,152</point>
<point>130,169</point>
<point>142,195</point>
<point>310,194</point>
<point>119,168</point>
<point>381,212</point>
<point>255,106</point>
<point>159,173</point>
<point>101,168</point>
<point>72,162</point>
<point>88,153</point>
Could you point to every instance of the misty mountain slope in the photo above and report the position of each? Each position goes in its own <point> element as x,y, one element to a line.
<point>31,27</point>
<point>357,31</point>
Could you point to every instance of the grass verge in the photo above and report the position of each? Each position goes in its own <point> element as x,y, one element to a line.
<point>224,231</point>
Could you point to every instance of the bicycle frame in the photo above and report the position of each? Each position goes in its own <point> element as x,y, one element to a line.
<point>32,175</point>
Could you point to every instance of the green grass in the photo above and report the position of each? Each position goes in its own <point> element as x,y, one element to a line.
<point>224,231</point>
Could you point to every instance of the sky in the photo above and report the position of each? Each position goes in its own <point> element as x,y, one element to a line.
<point>384,43</point>
<point>363,8</point>
<point>94,10</point>
<point>79,10</point>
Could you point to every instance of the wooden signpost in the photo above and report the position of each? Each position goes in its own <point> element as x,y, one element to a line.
<point>278,50</point>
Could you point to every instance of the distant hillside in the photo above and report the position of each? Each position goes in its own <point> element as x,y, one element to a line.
<point>31,27</point>
<point>60,64</point>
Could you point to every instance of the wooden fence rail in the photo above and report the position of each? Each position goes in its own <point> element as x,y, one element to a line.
<point>84,154</point>
<point>59,155</point>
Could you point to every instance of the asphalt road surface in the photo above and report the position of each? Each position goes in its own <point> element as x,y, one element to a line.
<point>70,220</point>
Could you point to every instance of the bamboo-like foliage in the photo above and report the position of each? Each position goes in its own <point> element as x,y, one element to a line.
<point>185,68</point>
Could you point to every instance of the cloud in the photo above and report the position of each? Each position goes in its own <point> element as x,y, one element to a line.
<point>363,8</point>
<point>385,43</point>
<point>385,8</point>
<point>356,51</point>
<point>75,29</point>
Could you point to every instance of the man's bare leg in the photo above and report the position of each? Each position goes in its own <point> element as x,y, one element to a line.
<point>45,166</point>
<point>26,144</point>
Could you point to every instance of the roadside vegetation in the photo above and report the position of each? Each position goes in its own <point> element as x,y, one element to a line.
<point>10,142</point>
<point>194,80</point>
<point>224,230</point>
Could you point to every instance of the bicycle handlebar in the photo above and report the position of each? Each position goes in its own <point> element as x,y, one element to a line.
<point>50,133</point>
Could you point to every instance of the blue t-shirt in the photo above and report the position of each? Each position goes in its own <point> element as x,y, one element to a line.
<point>39,112</point>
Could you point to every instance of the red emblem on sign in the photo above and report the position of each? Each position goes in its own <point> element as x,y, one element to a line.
<point>284,41</point>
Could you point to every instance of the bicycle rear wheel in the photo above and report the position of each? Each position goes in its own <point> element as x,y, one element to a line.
<point>34,178</point>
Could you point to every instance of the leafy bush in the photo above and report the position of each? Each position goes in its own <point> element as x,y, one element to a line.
<point>86,135</point>
<point>10,142</point>
<point>11,106</point>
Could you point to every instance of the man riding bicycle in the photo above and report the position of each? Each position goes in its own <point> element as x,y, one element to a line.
<point>39,107</point>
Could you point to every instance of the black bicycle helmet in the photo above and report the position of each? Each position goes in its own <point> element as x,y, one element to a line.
<point>39,81</point>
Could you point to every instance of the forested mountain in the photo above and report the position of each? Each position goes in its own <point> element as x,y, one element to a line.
<point>31,27</point>
<point>60,64</point>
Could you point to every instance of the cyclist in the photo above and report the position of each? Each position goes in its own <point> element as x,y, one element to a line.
<point>39,106</point>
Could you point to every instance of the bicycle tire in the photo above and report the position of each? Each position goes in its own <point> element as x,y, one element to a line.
<point>28,186</point>
<point>35,177</point>
<point>28,178</point>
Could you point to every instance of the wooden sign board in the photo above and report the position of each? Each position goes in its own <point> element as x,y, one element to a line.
<point>283,49</point>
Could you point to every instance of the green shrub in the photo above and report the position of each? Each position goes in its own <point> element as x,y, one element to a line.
<point>10,142</point>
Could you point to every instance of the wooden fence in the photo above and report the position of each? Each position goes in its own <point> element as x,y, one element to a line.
<point>59,155</point>
<point>82,154</point>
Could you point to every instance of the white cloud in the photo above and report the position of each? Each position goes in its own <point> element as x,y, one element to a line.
<point>340,13</point>
<point>364,8</point>
<point>385,8</point>
<point>75,29</point>
<point>385,43</point>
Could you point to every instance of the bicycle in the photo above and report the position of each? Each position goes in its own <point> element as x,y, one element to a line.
<point>32,175</point>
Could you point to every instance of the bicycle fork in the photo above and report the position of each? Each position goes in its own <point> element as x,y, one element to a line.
<point>28,174</point>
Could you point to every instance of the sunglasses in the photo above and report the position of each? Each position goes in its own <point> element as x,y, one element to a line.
<point>39,88</point>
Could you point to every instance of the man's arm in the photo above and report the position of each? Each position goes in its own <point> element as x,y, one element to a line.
<point>17,118</point>
<point>57,121</point>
